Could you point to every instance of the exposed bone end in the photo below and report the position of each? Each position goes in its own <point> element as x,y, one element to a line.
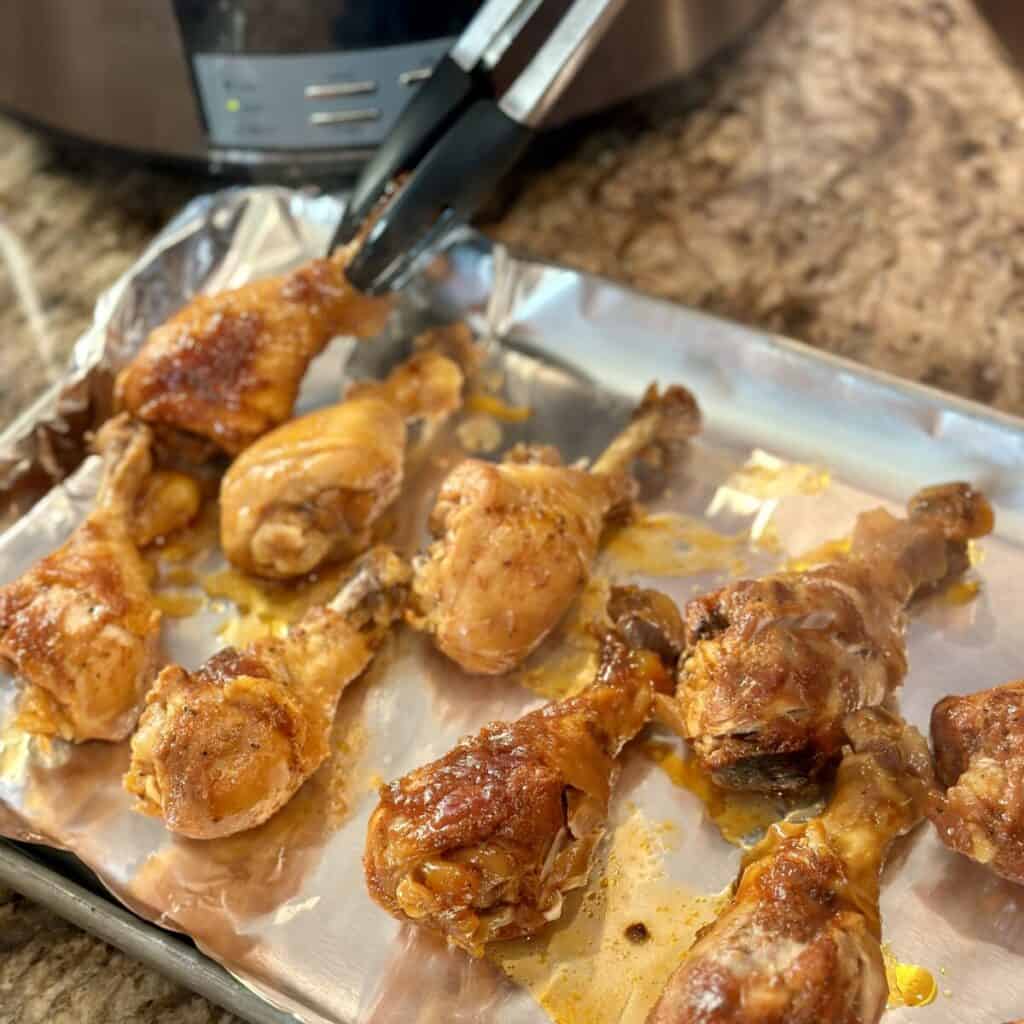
<point>962,512</point>
<point>675,411</point>
<point>647,619</point>
<point>660,426</point>
<point>376,591</point>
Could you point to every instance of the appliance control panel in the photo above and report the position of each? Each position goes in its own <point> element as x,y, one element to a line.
<point>310,100</point>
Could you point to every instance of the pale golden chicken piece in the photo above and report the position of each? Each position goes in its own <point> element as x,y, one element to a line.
<point>226,368</point>
<point>80,628</point>
<point>516,540</point>
<point>312,490</point>
<point>979,759</point>
<point>484,843</point>
<point>800,941</point>
<point>168,501</point>
<point>772,666</point>
<point>219,750</point>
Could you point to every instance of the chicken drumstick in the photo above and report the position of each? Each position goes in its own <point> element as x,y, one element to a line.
<point>226,368</point>
<point>799,943</point>
<point>80,628</point>
<point>311,490</point>
<point>773,665</point>
<point>517,539</point>
<point>484,843</point>
<point>219,750</point>
<point>979,759</point>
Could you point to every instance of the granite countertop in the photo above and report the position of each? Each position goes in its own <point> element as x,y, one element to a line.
<point>853,179</point>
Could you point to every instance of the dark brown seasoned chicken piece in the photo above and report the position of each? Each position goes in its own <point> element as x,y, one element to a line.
<point>800,941</point>
<point>979,759</point>
<point>221,749</point>
<point>226,369</point>
<point>516,540</point>
<point>484,843</point>
<point>312,490</point>
<point>80,629</point>
<point>773,665</point>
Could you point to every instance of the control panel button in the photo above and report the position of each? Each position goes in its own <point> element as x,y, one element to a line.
<point>326,117</point>
<point>331,90</point>
<point>415,76</point>
<point>309,101</point>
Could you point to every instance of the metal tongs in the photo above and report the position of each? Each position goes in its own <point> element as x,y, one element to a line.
<point>457,136</point>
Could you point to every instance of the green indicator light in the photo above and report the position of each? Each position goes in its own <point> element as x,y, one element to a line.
<point>233,105</point>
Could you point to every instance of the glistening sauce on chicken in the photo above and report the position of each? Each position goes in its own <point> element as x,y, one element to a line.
<point>607,960</point>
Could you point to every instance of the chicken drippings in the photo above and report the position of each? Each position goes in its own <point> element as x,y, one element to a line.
<point>177,604</point>
<point>767,476</point>
<point>909,984</point>
<point>590,967</point>
<point>740,817</point>
<point>569,660</point>
<point>267,608</point>
<point>962,592</point>
<point>670,544</point>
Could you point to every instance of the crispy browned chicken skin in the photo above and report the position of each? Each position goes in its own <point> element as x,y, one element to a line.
<point>312,490</point>
<point>80,628</point>
<point>773,665</point>
<point>219,750</point>
<point>979,759</point>
<point>799,943</point>
<point>484,843</point>
<point>516,540</point>
<point>226,368</point>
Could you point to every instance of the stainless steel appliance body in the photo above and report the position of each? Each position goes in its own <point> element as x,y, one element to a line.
<point>295,86</point>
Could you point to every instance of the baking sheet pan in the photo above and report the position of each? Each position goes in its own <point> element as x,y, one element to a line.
<point>284,907</point>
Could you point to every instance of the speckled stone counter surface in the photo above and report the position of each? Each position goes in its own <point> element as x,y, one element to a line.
<point>854,178</point>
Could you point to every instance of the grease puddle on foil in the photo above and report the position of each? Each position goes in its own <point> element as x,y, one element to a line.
<point>268,608</point>
<point>740,817</point>
<point>961,592</point>
<point>766,476</point>
<point>671,544</point>
<point>909,984</point>
<point>757,488</point>
<point>608,958</point>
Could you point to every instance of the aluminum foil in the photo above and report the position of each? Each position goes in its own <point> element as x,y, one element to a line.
<point>284,906</point>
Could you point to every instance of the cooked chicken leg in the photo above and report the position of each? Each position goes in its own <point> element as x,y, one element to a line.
<point>80,628</point>
<point>773,665</point>
<point>312,490</point>
<point>484,843</point>
<point>799,943</point>
<point>517,539</point>
<point>979,759</point>
<point>221,749</point>
<point>227,367</point>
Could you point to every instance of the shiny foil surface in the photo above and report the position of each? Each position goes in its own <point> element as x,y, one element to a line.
<point>795,445</point>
